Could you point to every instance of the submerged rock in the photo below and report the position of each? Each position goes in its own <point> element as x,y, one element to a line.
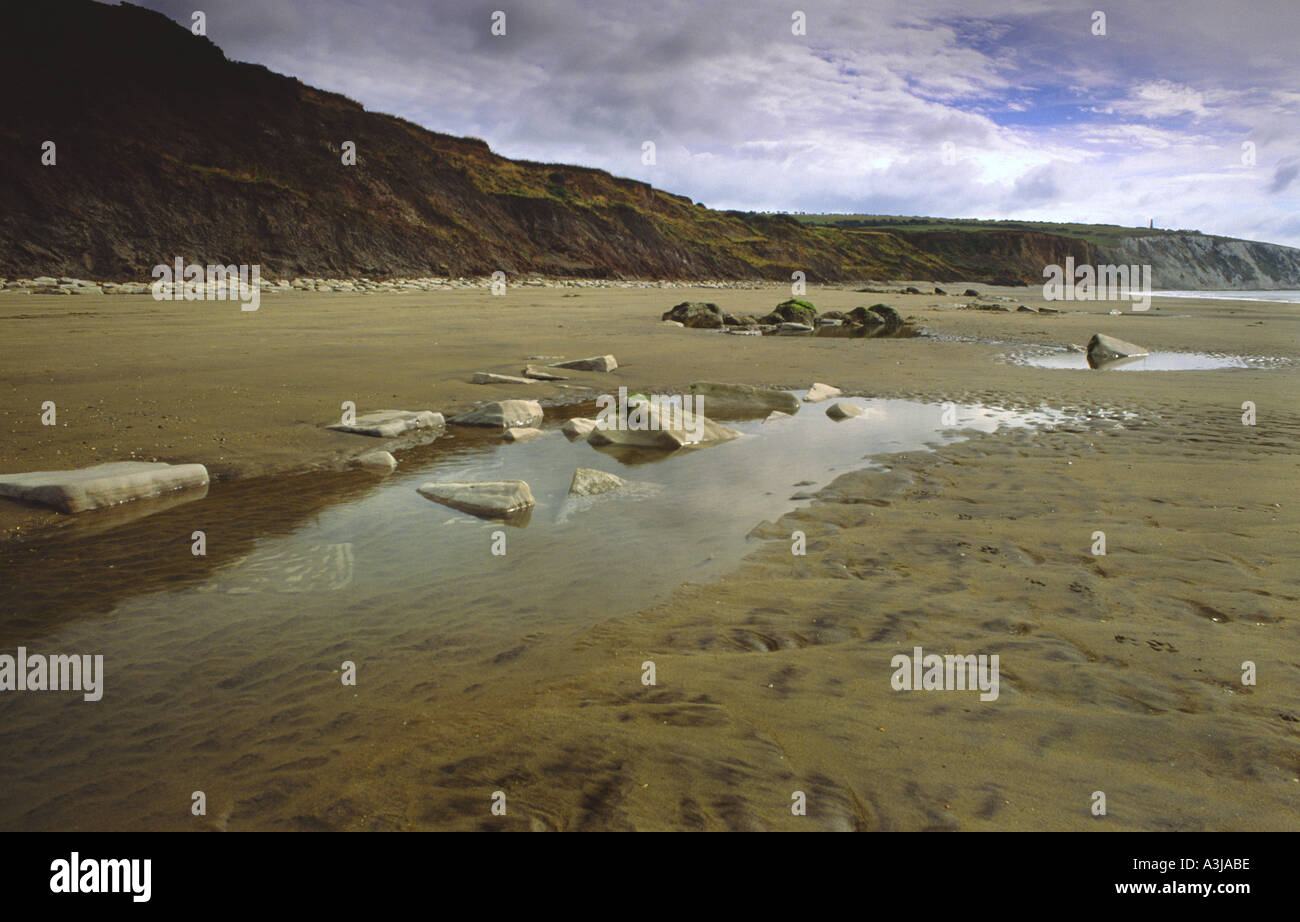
<point>387,424</point>
<point>743,399</point>
<point>590,482</point>
<point>1105,350</point>
<point>820,392</point>
<point>521,434</point>
<point>488,498</point>
<point>839,411</point>
<point>502,414</point>
<point>103,484</point>
<point>381,462</point>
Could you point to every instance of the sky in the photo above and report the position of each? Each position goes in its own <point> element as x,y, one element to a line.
<point>1185,112</point>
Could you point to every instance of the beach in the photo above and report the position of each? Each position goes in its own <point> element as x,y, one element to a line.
<point>1121,673</point>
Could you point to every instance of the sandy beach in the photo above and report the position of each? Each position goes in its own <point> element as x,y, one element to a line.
<point>1120,673</point>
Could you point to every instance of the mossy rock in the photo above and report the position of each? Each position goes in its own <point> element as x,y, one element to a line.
<point>796,310</point>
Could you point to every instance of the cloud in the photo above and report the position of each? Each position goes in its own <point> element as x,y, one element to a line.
<point>1284,175</point>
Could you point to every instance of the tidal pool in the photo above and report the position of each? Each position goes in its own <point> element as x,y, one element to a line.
<point>222,669</point>
<point>1155,361</point>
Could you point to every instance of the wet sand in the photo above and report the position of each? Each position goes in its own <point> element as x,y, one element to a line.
<point>1119,673</point>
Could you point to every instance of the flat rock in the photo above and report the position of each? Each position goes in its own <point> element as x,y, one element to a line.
<point>595,363</point>
<point>1104,350</point>
<point>502,414</point>
<point>590,482</point>
<point>742,398</point>
<point>792,327</point>
<point>381,462</point>
<point>658,432</point>
<point>838,411</point>
<point>488,498</point>
<point>541,374</point>
<point>521,434</point>
<point>387,424</point>
<point>578,428</point>
<point>486,377</point>
<point>103,484</point>
<point>820,392</point>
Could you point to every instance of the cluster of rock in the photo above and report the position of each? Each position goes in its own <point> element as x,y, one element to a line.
<point>795,315</point>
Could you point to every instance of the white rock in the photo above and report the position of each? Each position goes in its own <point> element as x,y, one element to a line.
<point>578,428</point>
<point>589,482</point>
<point>491,498</point>
<point>838,411</point>
<point>541,374</point>
<point>484,377</point>
<point>102,485</point>
<point>521,434</point>
<point>502,414</point>
<point>700,431</point>
<point>387,424</point>
<point>381,462</point>
<point>595,363</point>
<point>820,392</point>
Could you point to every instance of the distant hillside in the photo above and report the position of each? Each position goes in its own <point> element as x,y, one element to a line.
<point>1179,258</point>
<point>165,148</point>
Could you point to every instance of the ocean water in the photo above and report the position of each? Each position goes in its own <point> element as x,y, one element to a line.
<point>1282,296</point>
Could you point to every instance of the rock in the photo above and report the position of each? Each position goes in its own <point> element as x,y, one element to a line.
<point>824,321</point>
<point>502,414</point>
<point>541,374</point>
<point>866,317</point>
<point>839,411</point>
<point>795,310</point>
<point>578,428</point>
<point>776,415</point>
<point>489,498</point>
<point>794,328</point>
<point>484,377</point>
<point>656,434</point>
<point>887,314</point>
<point>970,293</point>
<point>744,332</point>
<point>833,315</point>
<point>697,314</point>
<point>673,323</point>
<point>743,399</point>
<point>1105,350</point>
<point>103,484</point>
<point>1048,310</point>
<point>387,424</point>
<point>521,434</point>
<point>820,392</point>
<point>590,482</point>
<point>939,291</point>
<point>381,462</point>
<point>1022,309</point>
<point>911,291</point>
<point>595,363</point>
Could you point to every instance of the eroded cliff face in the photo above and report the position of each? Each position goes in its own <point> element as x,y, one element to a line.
<point>1195,261</point>
<point>166,149</point>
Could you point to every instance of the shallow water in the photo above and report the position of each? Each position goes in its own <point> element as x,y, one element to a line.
<point>1156,361</point>
<point>1276,296</point>
<point>204,655</point>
